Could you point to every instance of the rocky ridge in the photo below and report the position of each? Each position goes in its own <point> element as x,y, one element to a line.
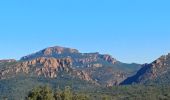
<point>151,71</point>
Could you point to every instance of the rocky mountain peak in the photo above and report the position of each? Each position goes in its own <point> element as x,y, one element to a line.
<point>161,63</point>
<point>58,50</point>
<point>50,52</point>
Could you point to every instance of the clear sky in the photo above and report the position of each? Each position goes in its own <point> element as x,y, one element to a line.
<point>129,30</point>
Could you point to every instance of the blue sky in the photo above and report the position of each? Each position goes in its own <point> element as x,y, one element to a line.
<point>129,30</point>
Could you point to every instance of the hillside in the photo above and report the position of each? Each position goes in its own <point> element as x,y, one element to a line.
<point>157,72</point>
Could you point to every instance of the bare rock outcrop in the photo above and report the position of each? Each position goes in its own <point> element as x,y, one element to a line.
<point>47,67</point>
<point>109,58</point>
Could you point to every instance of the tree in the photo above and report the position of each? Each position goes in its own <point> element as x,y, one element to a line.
<point>67,94</point>
<point>58,95</point>
<point>45,93</point>
<point>41,93</point>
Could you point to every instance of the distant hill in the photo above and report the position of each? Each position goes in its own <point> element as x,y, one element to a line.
<point>158,72</point>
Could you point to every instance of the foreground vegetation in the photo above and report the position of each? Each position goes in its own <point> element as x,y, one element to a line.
<point>142,92</point>
<point>133,92</point>
<point>45,93</point>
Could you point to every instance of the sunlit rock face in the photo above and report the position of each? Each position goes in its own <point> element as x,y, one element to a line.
<point>47,67</point>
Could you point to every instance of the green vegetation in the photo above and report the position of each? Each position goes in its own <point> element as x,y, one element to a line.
<point>41,93</point>
<point>132,92</point>
<point>142,92</point>
<point>22,86</point>
<point>45,93</point>
<point>19,88</point>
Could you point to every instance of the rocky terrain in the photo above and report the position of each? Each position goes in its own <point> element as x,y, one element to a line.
<point>152,72</point>
<point>47,67</point>
<point>79,59</point>
<point>99,69</point>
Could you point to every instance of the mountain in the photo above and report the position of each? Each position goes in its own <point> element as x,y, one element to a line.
<point>101,69</point>
<point>93,72</point>
<point>82,60</point>
<point>79,59</point>
<point>61,66</point>
<point>157,72</point>
<point>91,63</point>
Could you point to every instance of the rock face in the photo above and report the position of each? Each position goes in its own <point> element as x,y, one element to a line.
<point>150,72</point>
<point>51,67</point>
<point>47,67</point>
<point>109,58</point>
